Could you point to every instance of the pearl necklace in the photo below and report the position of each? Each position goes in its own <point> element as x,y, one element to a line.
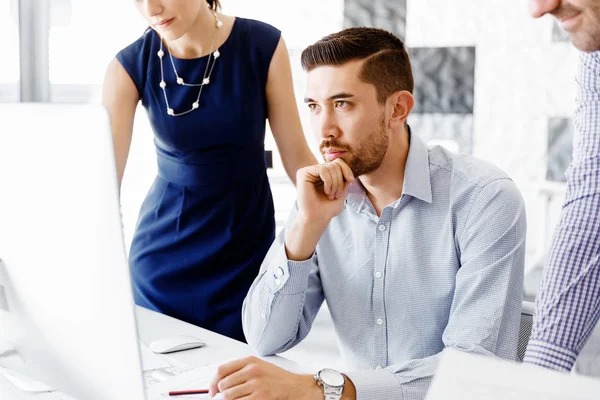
<point>205,79</point>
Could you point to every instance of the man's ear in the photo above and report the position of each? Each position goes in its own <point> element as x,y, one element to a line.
<point>402,103</point>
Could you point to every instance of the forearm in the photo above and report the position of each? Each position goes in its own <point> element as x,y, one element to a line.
<point>282,302</point>
<point>302,237</point>
<point>569,299</point>
<point>300,159</point>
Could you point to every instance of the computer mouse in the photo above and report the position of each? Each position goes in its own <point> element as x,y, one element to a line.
<point>175,343</point>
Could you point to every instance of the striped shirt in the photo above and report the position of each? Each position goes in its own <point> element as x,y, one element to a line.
<point>441,267</point>
<point>568,302</point>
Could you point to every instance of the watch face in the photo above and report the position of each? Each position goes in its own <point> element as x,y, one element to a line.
<point>331,377</point>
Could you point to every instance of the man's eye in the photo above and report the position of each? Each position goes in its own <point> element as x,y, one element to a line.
<point>341,104</point>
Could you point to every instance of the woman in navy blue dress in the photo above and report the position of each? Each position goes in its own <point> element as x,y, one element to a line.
<point>208,83</point>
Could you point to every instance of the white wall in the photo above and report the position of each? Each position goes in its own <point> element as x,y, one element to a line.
<point>522,78</point>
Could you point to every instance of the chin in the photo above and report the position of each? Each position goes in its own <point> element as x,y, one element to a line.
<point>169,34</point>
<point>585,42</point>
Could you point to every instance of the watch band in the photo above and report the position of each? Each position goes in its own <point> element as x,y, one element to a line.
<point>330,392</point>
<point>332,396</point>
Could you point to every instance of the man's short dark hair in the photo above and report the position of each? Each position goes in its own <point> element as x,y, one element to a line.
<point>387,65</point>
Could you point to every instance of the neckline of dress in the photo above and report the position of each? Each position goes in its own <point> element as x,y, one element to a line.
<point>227,40</point>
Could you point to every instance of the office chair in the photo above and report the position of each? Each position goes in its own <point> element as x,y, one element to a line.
<point>527,311</point>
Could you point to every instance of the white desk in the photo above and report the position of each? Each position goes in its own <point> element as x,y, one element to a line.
<point>153,326</point>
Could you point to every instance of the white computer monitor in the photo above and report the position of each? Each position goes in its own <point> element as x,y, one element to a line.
<point>67,308</point>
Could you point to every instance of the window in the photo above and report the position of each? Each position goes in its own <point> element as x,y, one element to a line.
<point>9,67</point>
<point>83,39</point>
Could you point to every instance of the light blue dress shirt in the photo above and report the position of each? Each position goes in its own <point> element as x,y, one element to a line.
<point>442,267</point>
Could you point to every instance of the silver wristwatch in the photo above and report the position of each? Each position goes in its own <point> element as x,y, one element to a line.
<point>332,382</point>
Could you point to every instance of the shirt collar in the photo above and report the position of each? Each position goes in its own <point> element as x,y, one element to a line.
<point>417,179</point>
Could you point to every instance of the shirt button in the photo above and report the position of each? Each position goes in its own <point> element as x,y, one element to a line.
<point>379,321</point>
<point>263,316</point>
<point>277,282</point>
<point>377,274</point>
<point>382,228</point>
<point>379,367</point>
<point>280,271</point>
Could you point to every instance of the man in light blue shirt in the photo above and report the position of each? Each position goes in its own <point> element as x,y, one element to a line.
<point>423,250</point>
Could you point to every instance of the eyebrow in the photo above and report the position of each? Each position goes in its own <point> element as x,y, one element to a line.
<point>342,95</point>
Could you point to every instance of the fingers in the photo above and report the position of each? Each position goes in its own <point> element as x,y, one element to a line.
<point>225,371</point>
<point>338,180</point>
<point>238,391</point>
<point>254,379</point>
<point>236,379</point>
<point>332,175</point>
<point>346,170</point>
<point>325,174</point>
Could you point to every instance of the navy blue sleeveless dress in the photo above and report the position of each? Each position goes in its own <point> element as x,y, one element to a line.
<point>208,219</point>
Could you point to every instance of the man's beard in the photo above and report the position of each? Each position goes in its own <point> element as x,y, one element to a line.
<point>370,152</point>
<point>588,39</point>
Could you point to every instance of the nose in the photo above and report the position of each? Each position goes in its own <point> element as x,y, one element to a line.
<point>152,8</point>
<point>327,124</point>
<point>538,8</point>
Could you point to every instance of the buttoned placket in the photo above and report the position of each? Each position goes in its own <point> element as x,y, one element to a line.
<point>380,248</point>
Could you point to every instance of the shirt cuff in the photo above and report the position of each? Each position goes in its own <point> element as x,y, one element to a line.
<point>375,385</point>
<point>548,355</point>
<point>289,277</point>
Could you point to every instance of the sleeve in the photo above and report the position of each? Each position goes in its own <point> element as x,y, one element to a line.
<point>134,59</point>
<point>283,301</point>
<point>486,307</point>
<point>568,301</point>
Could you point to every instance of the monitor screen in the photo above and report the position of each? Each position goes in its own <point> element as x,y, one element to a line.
<point>66,307</point>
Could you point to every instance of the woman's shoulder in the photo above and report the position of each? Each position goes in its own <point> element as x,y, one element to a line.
<point>259,40</point>
<point>135,59</point>
<point>258,29</point>
<point>140,46</point>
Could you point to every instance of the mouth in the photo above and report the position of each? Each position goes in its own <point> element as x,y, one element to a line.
<point>164,23</point>
<point>569,23</point>
<point>331,155</point>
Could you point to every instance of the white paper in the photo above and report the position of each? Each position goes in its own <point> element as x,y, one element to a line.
<point>463,376</point>
<point>197,378</point>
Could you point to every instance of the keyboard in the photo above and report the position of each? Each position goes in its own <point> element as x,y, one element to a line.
<point>155,376</point>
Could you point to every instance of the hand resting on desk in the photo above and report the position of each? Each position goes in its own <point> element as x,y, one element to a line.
<point>252,378</point>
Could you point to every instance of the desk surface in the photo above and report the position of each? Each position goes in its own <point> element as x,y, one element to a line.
<point>153,326</point>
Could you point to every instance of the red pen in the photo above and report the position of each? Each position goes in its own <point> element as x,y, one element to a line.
<point>184,392</point>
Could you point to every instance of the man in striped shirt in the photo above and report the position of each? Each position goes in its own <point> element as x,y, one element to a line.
<point>568,302</point>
